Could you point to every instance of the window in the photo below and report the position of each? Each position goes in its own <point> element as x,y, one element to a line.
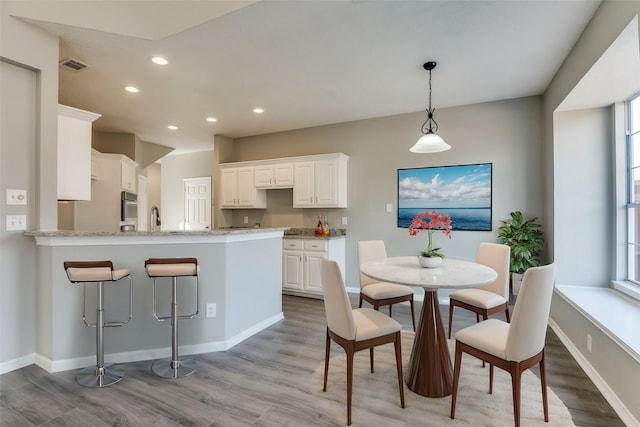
<point>633,190</point>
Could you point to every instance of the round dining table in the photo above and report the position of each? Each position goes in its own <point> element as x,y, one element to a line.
<point>430,371</point>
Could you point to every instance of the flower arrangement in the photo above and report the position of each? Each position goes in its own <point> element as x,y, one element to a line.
<point>431,221</point>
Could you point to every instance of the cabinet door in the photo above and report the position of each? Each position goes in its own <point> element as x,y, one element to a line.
<point>304,188</point>
<point>326,190</point>
<point>313,265</point>
<point>292,277</point>
<point>263,176</point>
<point>228,184</point>
<point>127,176</point>
<point>283,175</point>
<point>245,190</point>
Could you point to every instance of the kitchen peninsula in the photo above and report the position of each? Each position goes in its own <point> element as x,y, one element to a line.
<point>240,272</point>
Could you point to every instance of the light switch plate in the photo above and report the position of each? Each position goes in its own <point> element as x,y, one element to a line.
<point>16,222</point>
<point>344,220</point>
<point>16,197</point>
<point>389,207</point>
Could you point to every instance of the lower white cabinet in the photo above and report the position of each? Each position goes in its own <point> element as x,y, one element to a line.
<point>302,260</point>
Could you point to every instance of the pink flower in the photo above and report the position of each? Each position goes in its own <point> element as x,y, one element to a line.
<point>431,221</point>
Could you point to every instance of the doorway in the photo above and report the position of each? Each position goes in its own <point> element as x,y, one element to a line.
<point>197,203</point>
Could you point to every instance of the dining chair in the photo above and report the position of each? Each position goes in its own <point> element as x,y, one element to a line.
<point>516,346</point>
<point>355,330</point>
<point>489,299</point>
<point>379,293</point>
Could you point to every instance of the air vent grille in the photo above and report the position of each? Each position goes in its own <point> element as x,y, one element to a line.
<point>73,64</point>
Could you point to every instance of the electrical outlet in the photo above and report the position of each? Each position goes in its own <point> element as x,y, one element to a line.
<point>589,343</point>
<point>211,310</point>
<point>344,220</point>
<point>246,220</point>
<point>389,208</point>
<point>16,222</point>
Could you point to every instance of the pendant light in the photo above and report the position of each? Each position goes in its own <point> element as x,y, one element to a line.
<point>429,142</point>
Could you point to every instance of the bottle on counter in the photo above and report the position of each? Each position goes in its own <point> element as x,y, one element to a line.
<point>319,229</point>
<point>325,227</point>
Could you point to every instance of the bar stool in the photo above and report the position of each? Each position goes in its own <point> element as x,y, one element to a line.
<point>98,272</point>
<point>172,367</point>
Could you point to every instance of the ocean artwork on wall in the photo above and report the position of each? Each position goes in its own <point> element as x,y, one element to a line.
<point>463,192</point>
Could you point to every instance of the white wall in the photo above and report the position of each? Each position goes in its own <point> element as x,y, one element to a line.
<point>28,143</point>
<point>505,133</point>
<point>174,169</point>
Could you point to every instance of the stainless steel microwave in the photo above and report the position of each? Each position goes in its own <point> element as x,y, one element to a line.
<point>128,207</point>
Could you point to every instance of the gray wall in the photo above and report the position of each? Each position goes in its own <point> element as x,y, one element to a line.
<point>27,144</point>
<point>505,133</point>
<point>583,218</point>
<point>174,169</point>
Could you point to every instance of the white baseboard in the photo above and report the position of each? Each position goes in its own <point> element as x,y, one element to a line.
<point>623,412</point>
<point>18,363</point>
<point>138,355</point>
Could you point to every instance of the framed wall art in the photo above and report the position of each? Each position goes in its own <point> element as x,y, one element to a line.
<point>463,192</point>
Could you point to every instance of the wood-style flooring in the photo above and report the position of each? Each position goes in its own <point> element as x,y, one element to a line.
<point>261,381</point>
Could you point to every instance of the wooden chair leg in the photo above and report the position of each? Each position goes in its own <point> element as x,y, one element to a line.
<point>450,317</point>
<point>326,360</point>
<point>543,381</point>
<point>456,377</point>
<point>371,358</point>
<point>390,305</point>
<point>360,303</point>
<point>516,377</point>
<point>506,313</point>
<point>350,353</point>
<point>413,317</point>
<point>490,379</point>
<point>398,347</point>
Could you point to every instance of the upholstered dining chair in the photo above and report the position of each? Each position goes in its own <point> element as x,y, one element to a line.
<point>379,293</point>
<point>516,346</point>
<point>355,330</point>
<point>489,299</point>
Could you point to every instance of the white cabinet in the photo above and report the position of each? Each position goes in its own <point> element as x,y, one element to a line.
<point>95,164</point>
<point>128,175</point>
<point>74,153</point>
<point>321,183</point>
<point>302,261</point>
<point>278,175</point>
<point>238,189</point>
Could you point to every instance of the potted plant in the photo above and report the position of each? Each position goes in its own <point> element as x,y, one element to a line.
<point>430,221</point>
<point>526,241</point>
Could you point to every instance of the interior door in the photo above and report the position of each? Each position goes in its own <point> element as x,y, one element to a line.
<point>197,203</point>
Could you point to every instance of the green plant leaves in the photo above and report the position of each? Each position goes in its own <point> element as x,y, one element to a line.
<point>525,240</point>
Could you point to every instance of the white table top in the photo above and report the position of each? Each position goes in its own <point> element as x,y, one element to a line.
<point>453,273</point>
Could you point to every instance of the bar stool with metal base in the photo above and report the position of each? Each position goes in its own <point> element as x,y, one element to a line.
<point>98,272</point>
<point>172,367</point>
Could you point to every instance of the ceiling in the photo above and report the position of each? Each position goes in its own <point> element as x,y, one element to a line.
<point>306,63</point>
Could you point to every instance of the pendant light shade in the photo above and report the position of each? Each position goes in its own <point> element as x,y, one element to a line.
<point>429,142</point>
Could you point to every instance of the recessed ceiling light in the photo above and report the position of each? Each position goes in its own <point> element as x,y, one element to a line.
<point>172,127</point>
<point>132,89</point>
<point>211,119</point>
<point>258,110</point>
<point>159,60</point>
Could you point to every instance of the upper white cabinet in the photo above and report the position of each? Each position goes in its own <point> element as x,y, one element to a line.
<point>278,175</point>
<point>321,183</point>
<point>238,189</point>
<point>74,153</point>
<point>318,181</point>
<point>128,175</point>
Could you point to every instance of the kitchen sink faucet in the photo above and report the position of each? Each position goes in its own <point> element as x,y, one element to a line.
<point>154,218</point>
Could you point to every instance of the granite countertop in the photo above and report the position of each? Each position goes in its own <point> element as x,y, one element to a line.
<point>70,233</point>
<point>307,233</point>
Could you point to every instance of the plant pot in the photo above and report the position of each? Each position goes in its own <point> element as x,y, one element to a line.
<point>430,261</point>
<point>516,282</point>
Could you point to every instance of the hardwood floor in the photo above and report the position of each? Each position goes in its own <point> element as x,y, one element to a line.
<point>262,381</point>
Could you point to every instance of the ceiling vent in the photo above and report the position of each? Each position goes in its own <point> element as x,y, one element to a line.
<point>73,64</point>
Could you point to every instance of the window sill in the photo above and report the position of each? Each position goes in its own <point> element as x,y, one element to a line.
<point>614,312</point>
<point>626,288</point>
